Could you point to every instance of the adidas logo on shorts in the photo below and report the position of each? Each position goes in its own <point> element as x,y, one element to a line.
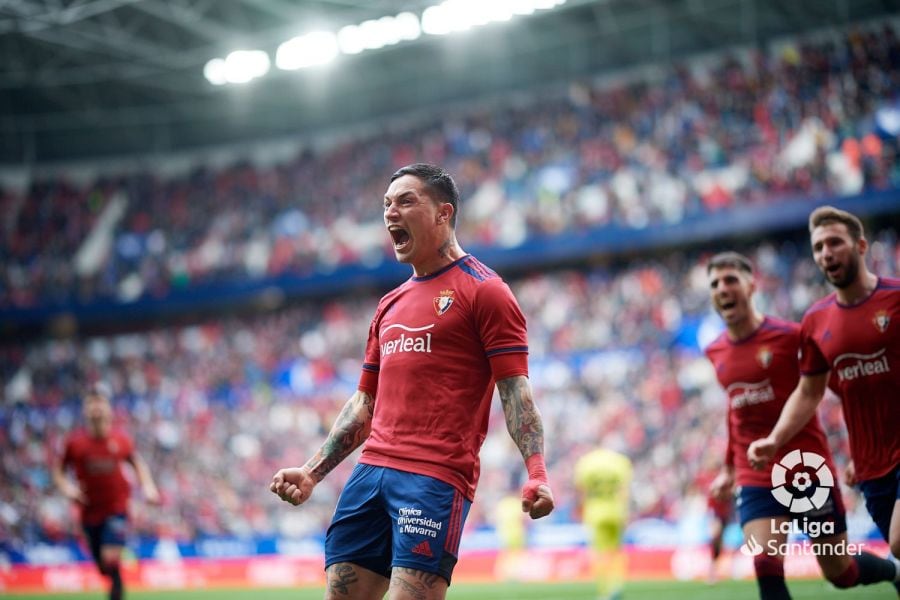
<point>422,548</point>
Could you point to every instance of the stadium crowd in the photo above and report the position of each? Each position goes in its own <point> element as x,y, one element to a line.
<point>217,406</point>
<point>654,147</point>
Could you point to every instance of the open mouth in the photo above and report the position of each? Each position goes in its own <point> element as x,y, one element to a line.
<point>727,305</point>
<point>400,237</point>
<point>832,269</point>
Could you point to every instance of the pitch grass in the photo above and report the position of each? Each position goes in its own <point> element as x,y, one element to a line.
<point>656,590</point>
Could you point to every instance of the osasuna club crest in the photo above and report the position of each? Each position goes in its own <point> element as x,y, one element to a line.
<point>764,357</point>
<point>882,320</point>
<point>443,302</point>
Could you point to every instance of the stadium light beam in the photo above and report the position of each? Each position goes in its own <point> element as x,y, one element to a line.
<point>322,47</point>
<point>215,71</point>
<point>243,66</point>
<point>309,50</point>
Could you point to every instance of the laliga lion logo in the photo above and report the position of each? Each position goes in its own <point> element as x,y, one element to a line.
<point>801,481</point>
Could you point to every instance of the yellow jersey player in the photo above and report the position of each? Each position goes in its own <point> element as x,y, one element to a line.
<point>603,478</point>
<point>510,524</point>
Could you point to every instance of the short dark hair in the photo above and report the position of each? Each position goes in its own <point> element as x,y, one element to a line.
<point>438,180</point>
<point>828,215</point>
<point>735,260</point>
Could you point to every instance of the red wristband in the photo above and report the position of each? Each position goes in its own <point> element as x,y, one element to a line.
<point>537,470</point>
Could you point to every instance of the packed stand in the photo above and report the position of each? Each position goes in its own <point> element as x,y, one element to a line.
<point>215,408</point>
<point>656,147</point>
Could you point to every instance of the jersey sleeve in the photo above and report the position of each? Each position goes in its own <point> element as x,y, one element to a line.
<point>368,379</point>
<point>68,456</point>
<point>729,447</point>
<point>127,446</point>
<point>812,361</point>
<point>502,328</point>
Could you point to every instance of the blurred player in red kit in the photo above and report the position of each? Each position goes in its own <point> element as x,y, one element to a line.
<point>437,345</point>
<point>852,336</point>
<point>95,454</point>
<point>756,362</point>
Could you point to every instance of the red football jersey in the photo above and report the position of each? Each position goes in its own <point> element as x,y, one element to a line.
<point>759,373</point>
<point>97,463</point>
<point>860,345</point>
<point>436,346</point>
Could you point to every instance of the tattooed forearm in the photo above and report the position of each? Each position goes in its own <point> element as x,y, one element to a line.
<point>340,577</point>
<point>350,429</point>
<point>523,420</point>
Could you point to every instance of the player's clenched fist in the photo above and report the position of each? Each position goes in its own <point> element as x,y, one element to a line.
<point>761,452</point>
<point>537,500</point>
<point>293,485</point>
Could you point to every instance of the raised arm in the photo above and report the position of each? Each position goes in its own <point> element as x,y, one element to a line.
<point>797,411</point>
<point>523,421</point>
<point>350,430</point>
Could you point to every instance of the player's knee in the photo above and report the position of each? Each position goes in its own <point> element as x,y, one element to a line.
<point>895,547</point>
<point>768,566</point>
<point>109,566</point>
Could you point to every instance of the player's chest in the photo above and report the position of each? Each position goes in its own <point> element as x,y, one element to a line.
<point>101,457</point>
<point>868,332</point>
<point>765,361</point>
<point>424,323</point>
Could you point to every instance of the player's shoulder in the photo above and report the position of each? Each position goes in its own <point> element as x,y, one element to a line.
<point>76,442</point>
<point>391,296</point>
<point>780,326</point>
<point>889,284</point>
<point>817,308</point>
<point>121,436</point>
<point>76,437</point>
<point>719,343</point>
<point>469,268</point>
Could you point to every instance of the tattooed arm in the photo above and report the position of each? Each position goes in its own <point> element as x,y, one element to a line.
<point>523,421</point>
<point>349,431</point>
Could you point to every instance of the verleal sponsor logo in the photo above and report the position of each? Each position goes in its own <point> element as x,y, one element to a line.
<point>745,394</point>
<point>852,366</point>
<point>407,341</point>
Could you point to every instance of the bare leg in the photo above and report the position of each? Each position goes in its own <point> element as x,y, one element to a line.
<point>347,581</point>
<point>412,584</point>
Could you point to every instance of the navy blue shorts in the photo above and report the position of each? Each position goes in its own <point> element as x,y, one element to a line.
<point>112,531</point>
<point>757,502</point>
<point>881,494</point>
<point>387,518</point>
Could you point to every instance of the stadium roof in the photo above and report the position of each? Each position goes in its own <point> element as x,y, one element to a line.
<point>95,78</point>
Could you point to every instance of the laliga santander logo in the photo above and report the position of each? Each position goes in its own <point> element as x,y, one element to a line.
<point>798,465</point>
<point>751,547</point>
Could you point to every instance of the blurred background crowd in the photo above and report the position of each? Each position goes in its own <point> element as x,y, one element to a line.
<point>659,145</point>
<point>216,406</point>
